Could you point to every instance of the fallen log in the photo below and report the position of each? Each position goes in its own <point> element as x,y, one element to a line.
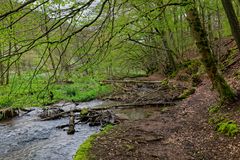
<point>113,106</point>
<point>59,115</point>
<point>129,81</point>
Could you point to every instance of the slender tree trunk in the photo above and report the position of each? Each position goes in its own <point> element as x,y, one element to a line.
<point>48,38</point>
<point>168,51</point>
<point>233,20</point>
<point>1,68</point>
<point>175,15</point>
<point>9,46</point>
<point>207,57</point>
<point>8,63</point>
<point>182,35</point>
<point>210,31</point>
<point>17,63</point>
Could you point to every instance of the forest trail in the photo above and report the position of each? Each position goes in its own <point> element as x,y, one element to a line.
<point>173,133</point>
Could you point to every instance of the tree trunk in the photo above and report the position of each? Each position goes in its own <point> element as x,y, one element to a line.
<point>207,58</point>
<point>1,68</point>
<point>210,31</point>
<point>233,20</point>
<point>8,63</point>
<point>17,63</point>
<point>169,52</point>
<point>48,38</point>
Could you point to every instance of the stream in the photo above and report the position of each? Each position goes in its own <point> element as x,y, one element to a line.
<point>28,138</point>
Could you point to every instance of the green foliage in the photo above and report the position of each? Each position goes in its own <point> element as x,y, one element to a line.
<point>222,122</point>
<point>228,127</point>
<point>217,119</point>
<point>192,66</point>
<point>214,109</point>
<point>83,151</point>
<point>5,102</point>
<point>26,94</point>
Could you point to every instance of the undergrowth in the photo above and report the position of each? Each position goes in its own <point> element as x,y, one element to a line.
<point>22,92</point>
<point>186,93</point>
<point>228,127</point>
<point>221,122</point>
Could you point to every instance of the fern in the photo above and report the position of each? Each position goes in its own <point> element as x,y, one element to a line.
<point>229,128</point>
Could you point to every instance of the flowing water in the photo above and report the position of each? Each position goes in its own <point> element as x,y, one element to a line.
<point>28,138</point>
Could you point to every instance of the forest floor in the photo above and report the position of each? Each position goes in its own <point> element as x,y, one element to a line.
<point>180,132</point>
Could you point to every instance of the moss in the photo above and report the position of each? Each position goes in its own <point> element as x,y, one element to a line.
<point>165,82</point>
<point>226,93</point>
<point>84,111</point>
<point>83,151</point>
<point>186,93</point>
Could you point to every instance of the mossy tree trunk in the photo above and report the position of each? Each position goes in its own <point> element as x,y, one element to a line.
<point>207,58</point>
<point>233,20</point>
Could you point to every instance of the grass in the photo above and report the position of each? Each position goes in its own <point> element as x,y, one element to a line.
<point>22,93</point>
<point>83,151</point>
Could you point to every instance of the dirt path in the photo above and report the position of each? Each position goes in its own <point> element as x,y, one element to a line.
<point>181,132</point>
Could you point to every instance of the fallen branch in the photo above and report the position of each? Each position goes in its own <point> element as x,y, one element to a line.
<point>67,125</point>
<point>113,106</point>
<point>134,105</point>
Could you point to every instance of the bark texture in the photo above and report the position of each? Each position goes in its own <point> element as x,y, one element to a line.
<point>207,58</point>
<point>233,20</point>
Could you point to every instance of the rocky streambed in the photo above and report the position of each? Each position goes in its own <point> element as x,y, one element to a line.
<point>28,138</point>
